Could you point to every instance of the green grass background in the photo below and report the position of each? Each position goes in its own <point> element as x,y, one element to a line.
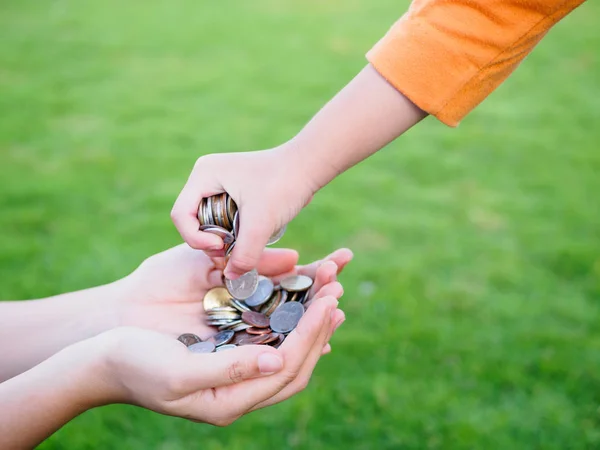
<point>473,300</point>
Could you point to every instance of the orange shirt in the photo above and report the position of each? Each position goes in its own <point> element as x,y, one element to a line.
<point>447,56</point>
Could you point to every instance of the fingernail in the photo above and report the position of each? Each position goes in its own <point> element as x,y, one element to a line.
<point>231,275</point>
<point>268,363</point>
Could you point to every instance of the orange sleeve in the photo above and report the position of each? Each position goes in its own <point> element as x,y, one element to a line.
<point>447,56</point>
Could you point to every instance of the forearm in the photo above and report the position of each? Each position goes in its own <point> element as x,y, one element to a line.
<point>362,118</point>
<point>33,330</point>
<point>38,402</point>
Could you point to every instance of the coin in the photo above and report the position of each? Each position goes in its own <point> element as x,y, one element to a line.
<point>221,309</point>
<point>254,340</point>
<point>222,337</point>
<point>225,347</point>
<point>202,347</point>
<point>262,294</point>
<point>231,209</point>
<point>224,316</point>
<point>286,317</point>
<point>281,297</point>
<point>255,319</point>
<point>216,298</point>
<point>227,237</point>
<point>239,336</point>
<point>241,327</point>
<point>296,283</point>
<point>230,324</point>
<point>277,235</point>
<point>271,337</point>
<point>188,339</point>
<point>236,224</point>
<point>254,330</point>
<point>239,305</point>
<point>244,286</point>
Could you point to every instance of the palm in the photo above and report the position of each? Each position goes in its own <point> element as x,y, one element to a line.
<point>168,289</point>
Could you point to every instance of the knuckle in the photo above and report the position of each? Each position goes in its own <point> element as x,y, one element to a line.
<point>235,372</point>
<point>303,383</point>
<point>174,383</point>
<point>224,421</point>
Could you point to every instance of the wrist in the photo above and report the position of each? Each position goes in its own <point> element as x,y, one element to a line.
<point>310,167</point>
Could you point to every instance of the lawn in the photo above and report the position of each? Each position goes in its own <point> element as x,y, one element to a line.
<point>473,302</point>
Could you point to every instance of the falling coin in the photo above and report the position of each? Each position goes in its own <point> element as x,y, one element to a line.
<point>202,347</point>
<point>275,237</point>
<point>286,317</point>
<point>243,287</point>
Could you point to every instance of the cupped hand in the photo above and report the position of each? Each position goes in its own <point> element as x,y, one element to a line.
<point>157,372</point>
<point>268,187</point>
<point>165,293</point>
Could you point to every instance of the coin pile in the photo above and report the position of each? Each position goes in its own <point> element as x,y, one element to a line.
<point>219,215</point>
<point>266,317</point>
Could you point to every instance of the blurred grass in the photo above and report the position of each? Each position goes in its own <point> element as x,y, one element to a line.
<point>472,304</point>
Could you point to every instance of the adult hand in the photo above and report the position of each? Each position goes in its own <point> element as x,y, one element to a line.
<point>165,293</point>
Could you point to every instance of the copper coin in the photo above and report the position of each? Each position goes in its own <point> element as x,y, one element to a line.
<point>254,340</point>
<point>202,347</point>
<point>271,337</point>
<point>231,209</point>
<point>188,339</point>
<point>297,283</point>
<point>255,319</point>
<point>254,330</point>
<point>239,336</point>
<point>286,317</point>
<point>222,337</point>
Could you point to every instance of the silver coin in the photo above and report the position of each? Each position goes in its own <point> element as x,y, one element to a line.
<point>222,348</point>
<point>230,325</point>
<point>219,323</point>
<point>202,347</point>
<point>286,317</point>
<point>228,316</point>
<point>263,292</point>
<point>221,309</point>
<point>296,283</point>
<point>236,223</point>
<point>222,337</point>
<point>218,205</point>
<point>227,237</point>
<point>277,235</point>
<point>240,306</point>
<point>244,286</point>
<point>240,327</point>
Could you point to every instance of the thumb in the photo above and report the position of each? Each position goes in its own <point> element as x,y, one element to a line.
<point>233,366</point>
<point>253,234</point>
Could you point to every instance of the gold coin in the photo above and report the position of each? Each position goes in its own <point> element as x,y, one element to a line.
<point>217,297</point>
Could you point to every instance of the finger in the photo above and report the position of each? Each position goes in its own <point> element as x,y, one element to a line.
<point>334,289</point>
<point>326,273</point>
<point>185,217</point>
<point>210,370</point>
<point>296,348</point>
<point>254,233</point>
<point>340,257</point>
<point>275,261</point>
<point>302,378</point>
<point>326,349</point>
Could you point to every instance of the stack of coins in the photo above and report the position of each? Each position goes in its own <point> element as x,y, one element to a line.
<point>265,317</point>
<point>219,215</point>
